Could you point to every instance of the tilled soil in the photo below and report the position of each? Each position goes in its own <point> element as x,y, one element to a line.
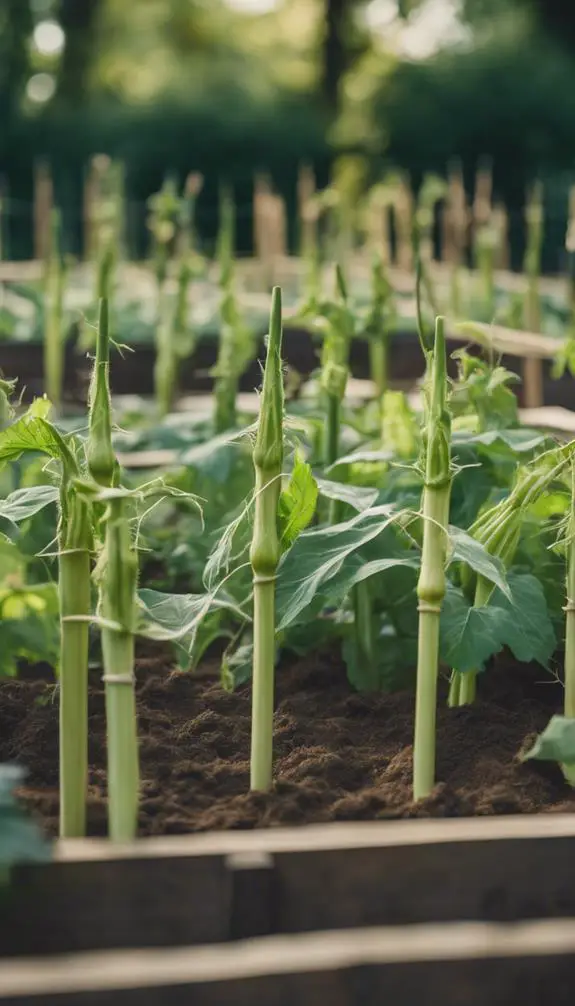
<point>338,755</point>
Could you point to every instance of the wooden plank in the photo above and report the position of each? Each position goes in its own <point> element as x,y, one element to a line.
<point>106,903</point>
<point>193,889</point>
<point>455,965</point>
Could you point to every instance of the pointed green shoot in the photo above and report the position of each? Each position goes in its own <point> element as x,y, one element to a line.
<point>100,454</point>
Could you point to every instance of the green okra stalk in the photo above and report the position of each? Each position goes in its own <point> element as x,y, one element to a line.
<point>117,588</point>
<point>265,551</point>
<point>118,608</point>
<point>377,328</point>
<point>532,261</point>
<point>104,271</point>
<point>431,583</point>
<point>54,346</point>
<point>74,591</point>
<point>171,328</point>
<point>334,375</point>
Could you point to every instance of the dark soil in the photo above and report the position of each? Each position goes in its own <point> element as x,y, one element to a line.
<point>338,755</point>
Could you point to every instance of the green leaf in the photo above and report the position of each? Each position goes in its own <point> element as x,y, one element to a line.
<point>363,457</point>
<point>297,502</point>
<point>33,433</point>
<point>469,636</point>
<point>215,458</point>
<point>556,743</point>
<point>527,630</point>
<point>521,440</point>
<point>358,497</point>
<point>316,559</point>
<point>465,548</point>
<point>24,503</point>
<point>177,617</point>
<point>29,627</point>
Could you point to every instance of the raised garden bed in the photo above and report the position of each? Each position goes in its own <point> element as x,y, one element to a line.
<point>339,755</point>
<point>133,372</point>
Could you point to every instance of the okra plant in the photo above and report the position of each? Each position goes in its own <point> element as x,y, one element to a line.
<point>432,581</point>
<point>265,550</point>
<point>34,433</point>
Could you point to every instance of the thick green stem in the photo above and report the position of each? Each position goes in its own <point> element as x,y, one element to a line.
<point>468,690</point>
<point>430,592</point>
<point>165,367</point>
<point>378,365</point>
<point>332,427</point>
<point>331,446</point>
<point>264,557</point>
<point>123,770</point>
<point>454,690</point>
<point>365,633</point>
<point>431,583</point>
<point>265,551</point>
<point>118,605</point>
<point>74,592</point>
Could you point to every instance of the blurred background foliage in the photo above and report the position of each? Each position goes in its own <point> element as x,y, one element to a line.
<point>234,87</point>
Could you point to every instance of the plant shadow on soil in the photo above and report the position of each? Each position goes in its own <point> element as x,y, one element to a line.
<point>339,755</point>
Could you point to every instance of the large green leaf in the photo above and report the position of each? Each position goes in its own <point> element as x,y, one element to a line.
<point>521,440</point>
<point>470,635</point>
<point>363,457</point>
<point>556,743</point>
<point>358,497</point>
<point>25,503</point>
<point>465,548</point>
<point>297,501</point>
<point>528,630</point>
<point>319,557</point>
<point>32,432</point>
<point>29,627</point>
<point>177,617</point>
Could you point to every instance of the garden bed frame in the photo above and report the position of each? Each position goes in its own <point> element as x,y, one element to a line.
<point>528,355</point>
<point>477,911</point>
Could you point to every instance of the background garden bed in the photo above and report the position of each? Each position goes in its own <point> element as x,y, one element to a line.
<point>132,372</point>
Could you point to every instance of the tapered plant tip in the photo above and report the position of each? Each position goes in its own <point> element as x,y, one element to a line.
<point>275,333</point>
<point>268,448</point>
